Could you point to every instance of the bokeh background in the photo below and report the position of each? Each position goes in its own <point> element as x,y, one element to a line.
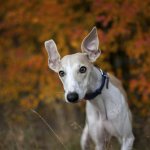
<point>26,83</point>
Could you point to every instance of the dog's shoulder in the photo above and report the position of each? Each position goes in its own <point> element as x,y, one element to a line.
<point>115,81</point>
<point>118,84</point>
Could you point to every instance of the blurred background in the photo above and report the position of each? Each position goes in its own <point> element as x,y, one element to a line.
<point>26,83</point>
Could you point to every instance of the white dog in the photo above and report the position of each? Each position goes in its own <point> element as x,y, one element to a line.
<point>107,111</point>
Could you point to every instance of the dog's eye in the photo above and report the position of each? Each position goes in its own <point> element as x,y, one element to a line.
<point>82,69</point>
<point>61,73</point>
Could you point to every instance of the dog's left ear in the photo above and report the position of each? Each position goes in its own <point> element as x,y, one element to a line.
<point>90,45</point>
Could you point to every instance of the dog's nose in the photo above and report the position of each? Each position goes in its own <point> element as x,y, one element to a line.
<point>72,97</point>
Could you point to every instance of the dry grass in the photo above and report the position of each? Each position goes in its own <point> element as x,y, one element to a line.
<point>51,128</point>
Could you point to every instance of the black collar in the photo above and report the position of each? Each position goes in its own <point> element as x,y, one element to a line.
<point>92,95</point>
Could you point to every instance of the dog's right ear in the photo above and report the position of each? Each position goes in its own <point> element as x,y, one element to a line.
<point>53,55</point>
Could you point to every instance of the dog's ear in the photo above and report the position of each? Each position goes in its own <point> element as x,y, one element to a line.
<point>53,55</point>
<point>90,45</point>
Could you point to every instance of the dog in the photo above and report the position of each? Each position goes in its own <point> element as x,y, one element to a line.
<point>107,111</point>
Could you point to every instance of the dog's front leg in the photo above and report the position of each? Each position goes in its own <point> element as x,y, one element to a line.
<point>96,135</point>
<point>95,125</point>
<point>99,140</point>
<point>127,143</point>
<point>85,138</point>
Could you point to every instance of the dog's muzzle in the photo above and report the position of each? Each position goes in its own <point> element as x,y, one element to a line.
<point>72,97</point>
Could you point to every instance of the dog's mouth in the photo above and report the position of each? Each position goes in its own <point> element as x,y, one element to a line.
<point>74,102</point>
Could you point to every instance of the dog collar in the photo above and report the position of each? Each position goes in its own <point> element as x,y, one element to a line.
<point>105,79</point>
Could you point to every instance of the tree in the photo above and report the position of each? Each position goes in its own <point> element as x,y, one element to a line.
<point>123,28</point>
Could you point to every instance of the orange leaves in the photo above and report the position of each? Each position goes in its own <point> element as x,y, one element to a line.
<point>123,26</point>
<point>29,102</point>
<point>35,62</point>
<point>141,89</point>
<point>133,84</point>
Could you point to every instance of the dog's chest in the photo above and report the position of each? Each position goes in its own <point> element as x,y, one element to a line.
<point>97,120</point>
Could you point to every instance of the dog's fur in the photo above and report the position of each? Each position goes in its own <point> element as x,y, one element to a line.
<point>108,113</point>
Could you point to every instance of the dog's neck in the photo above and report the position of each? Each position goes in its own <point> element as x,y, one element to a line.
<point>94,83</point>
<point>95,79</point>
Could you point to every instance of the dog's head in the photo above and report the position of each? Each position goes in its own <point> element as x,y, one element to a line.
<point>74,70</point>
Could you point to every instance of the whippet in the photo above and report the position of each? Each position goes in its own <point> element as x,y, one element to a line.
<point>107,111</point>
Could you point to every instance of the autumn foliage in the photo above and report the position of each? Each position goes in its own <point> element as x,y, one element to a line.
<point>124,33</point>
